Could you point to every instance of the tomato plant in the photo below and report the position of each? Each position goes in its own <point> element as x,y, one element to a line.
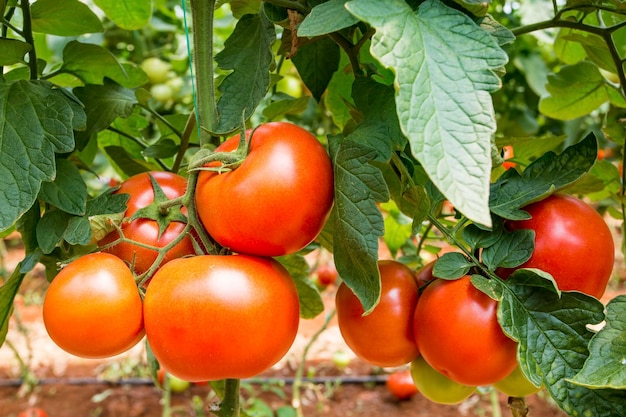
<point>400,384</point>
<point>404,121</point>
<point>572,242</point>
<point>384,337</point>
<point>458,334</point>
<point>93,308</point>
<point>213,317</point>
<point>148,231</point>
<point>436,386</point>
<point>277,201</point>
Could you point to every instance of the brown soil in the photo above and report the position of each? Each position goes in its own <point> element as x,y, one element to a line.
<point>66,386</point>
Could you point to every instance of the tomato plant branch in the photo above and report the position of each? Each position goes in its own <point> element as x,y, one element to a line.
<point>604,33</point>
<point>192,215</point>
<point>162,120</point>
<point>350,49</point>
<point>184,141</point>
<point>28,37</point>
<point>203,13</point>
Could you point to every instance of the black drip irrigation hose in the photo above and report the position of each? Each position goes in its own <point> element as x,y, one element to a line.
<point>357,380</point>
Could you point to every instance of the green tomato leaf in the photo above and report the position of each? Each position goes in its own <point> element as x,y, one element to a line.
<point>247,52</point>
<point>478,237</point>
<point>576,90</point>
<point>452,265</point>
<point>242,7</point>
<point>552,332</point>
<point>64,18</point>
<point>78,231</point>
<point>288,106</point>
<point>511,250</point>
<point>50,229</point>
<point>443,85</point>
<point>544,176</point>
<point>128,164</point>
<point>127,14</point>
<point>501,33</point>
<point>379,128</point>
<point>13,51</point>
<point>68,191</point>
<point>316,63</point>
<point>605,366</point>
<point>92,64</point>
<point>328,17</point>
<point>311,303</point>
<point>36,121</point>
<point>165,148</point>
<point>8,290</point>
<point>107,203</point>
<point>356,220</point>
<point>338,97</point>
<point>103,104</point>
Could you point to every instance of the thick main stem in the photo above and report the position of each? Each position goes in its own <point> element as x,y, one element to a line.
<point>229,406</point>
<point>28,37</point>
<point>203,13</point>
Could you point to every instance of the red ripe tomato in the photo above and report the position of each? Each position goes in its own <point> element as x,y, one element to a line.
<point>277,201</point>
<point>33,412</point>
<point>458,334</point>
<point>213,317</point>
<point>400,384</point>
<point>146,231</point>
<point>92,308</point>
<point>425,274</point>
<point>508,154</point>
<point>385,336</point>
<point>572,243</point>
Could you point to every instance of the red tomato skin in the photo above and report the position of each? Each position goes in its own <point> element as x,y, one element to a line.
<point>400,384</point>
<point>572,242</point>
<point>385,336</point>
<point>458,334</point>
<point>277,201</point>
<point>93,309</point>
<point>213,317</point>
<point>146,231</point>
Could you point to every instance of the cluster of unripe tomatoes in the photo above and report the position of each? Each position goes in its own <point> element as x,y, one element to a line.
<point>448,330</point>
<point>205,316</point>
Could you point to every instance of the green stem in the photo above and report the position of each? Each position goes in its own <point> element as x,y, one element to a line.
<point>350,50</point>
<point>167,397</point>
<point>28,37</point>
<point>163,120</point>
<point>229,407</point>
<point>184,141</point>
<point>496,410</point>
<point>203,13</point>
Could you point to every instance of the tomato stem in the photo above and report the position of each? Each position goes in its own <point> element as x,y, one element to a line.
<point>203,13</point>
<point>229,407</point>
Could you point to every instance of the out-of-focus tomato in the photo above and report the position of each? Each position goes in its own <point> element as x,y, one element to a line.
<point>277,201</point>
<point>213,317</point>
<point>437,387</point>
<point>384,337</point>
<point>92,308</point>
<point>146,231</point>
<point>457,332</point>
<point>33,412</point>
<point>572,243</point>
<point>400,384</point>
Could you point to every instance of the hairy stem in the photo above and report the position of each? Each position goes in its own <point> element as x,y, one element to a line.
<point>203,13</point>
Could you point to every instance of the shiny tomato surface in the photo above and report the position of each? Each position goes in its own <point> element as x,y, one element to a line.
<point>213,317</point>
<point>277,201</point>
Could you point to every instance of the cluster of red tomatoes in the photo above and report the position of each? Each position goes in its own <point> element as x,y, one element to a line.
<point>448,330</point>
<point>205,317</point>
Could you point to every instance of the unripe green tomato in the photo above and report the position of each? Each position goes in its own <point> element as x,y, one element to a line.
<point>156,69</point>
<point>162,93</point>
<point>437,387</point>
<point>177,384</point>
<point>516,385</point>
